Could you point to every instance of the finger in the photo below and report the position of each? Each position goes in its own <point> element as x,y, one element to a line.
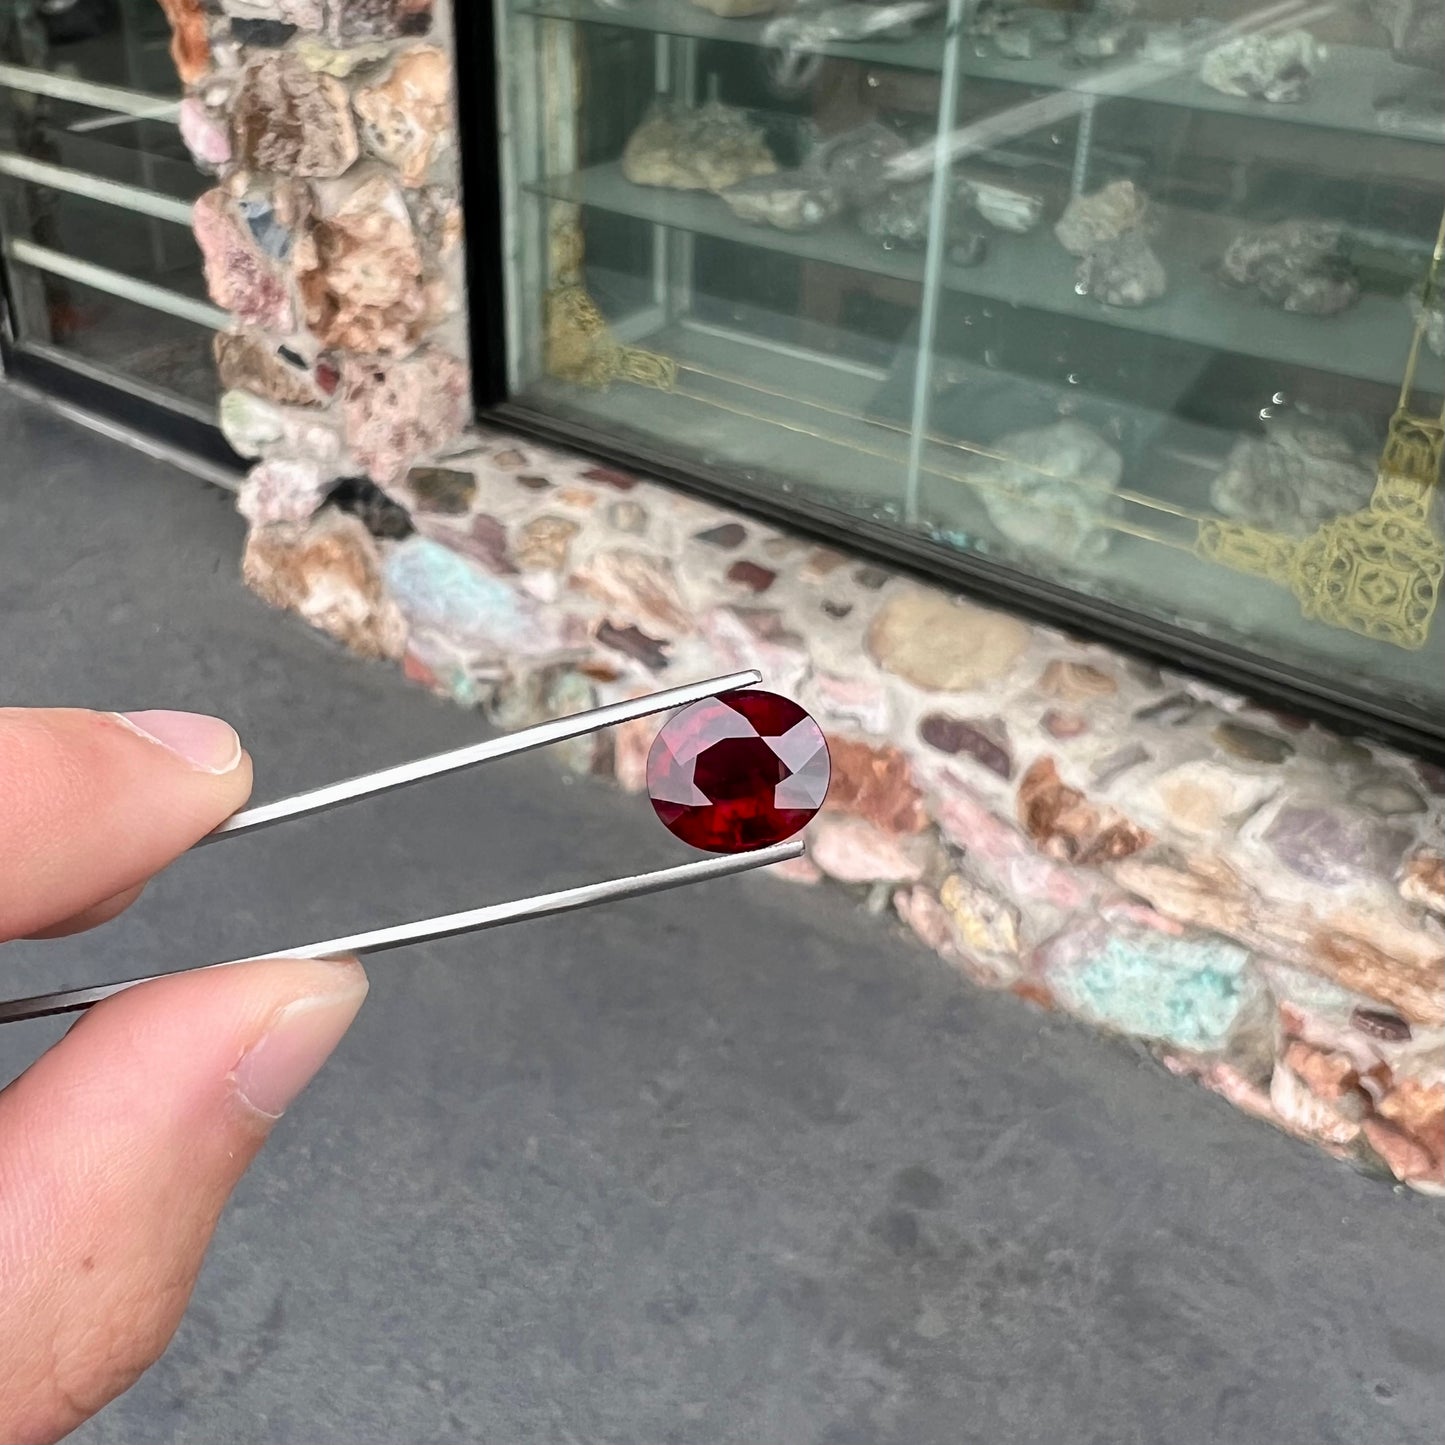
<point>118,1149</point>
<point>93,916</point>
<point>92,804</point>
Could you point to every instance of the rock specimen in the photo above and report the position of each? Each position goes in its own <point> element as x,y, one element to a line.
<point>1297,265</point>
<point>1051,489</point>
<point>796,200</point>
<point>855,162</point>
<point>707,149</point>
<point>398,410</point>
<point>190,49</point>
<point>359,268</point>
<point>328,573</point>
<point>246,363</point>
<point>289,119</point>
<point>1122,272</point>
<point>205,134</point>
<point>1276,68</point>
<point>348,21</point>
<point>941,645</point>
<point>281,490</point>
<point>1010,207</point>
<point>899,216</point>
<point>1089,222</point>
<point>240,277</point>
<point>1300,473</point>
<point>406,118</point>
<point>1432,313</point>
<point>1416,29</point>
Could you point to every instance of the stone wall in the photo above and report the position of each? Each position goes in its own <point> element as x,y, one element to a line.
<point>1260,901</point>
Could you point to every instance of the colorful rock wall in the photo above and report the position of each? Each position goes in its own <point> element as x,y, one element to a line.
<point>1260,901</point>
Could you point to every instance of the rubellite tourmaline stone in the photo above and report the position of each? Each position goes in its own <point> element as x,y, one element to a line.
<point>738,771</point>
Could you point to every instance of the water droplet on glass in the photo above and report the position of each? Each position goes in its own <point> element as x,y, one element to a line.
<point>1073,378</point>
<point>1265,412</point>
<point>990,356</point>
<point>1080,289</point>
<point>1278,398</point>
<point>1056,139</point>
<point>987,314</point>
<point>873,82</point>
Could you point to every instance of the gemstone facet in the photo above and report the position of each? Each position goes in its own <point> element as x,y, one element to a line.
<point>738,771</point>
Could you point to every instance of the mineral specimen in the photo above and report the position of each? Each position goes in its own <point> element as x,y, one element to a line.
<point>1264,67</point>
<point>1005,205</point>
<point>1298,265</point>
<point>708,149</point>
<point>1089,221</point>
<point>1416,29</point>
<point>1122,272</point>
<point>855,161</point>
<point>1300,473</point>
<point>796,200</point>
<point>1051,489</point>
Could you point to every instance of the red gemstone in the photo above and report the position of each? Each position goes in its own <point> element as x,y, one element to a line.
<point>738,771</point>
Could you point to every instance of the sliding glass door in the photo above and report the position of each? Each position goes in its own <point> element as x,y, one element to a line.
<point>103,277</point>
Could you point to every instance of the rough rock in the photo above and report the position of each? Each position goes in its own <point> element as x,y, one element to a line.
<point>875,783</point>
<point>246,363</point>
<point>1298,265</point>
<point>1302,1110</point>
<point>1204,799</point>
<point>282,490</point>
<point>751,575</point>
<point>484,540</point>
<point>1089,222</point>
<point>1251,744</point>
<point>1333,846</point>
<point>328,573</point>
<point>1066,826</point>
<point>303,14</point>
<point>1064,725</point>
<point>638,589</point>
<point>239,277</point>
<point>1077,681</point>
<point>797,200</point>
<point>406,118</point>
<point>350,21</point>
<point>707,149</point>
<point>727,536</point>
<point>1050,490</point>
<point>447,491</point>
<point>941,645</point>
<point>205,135</point>
<point>1276,68</point>
<point>629,517</point>
<point>399,410</point>
<point>1114,765</point>
<point>262,34</point>
<point>190,46</point>
<point>359,269</point>
<point>1423,881</point>
<point>984,924</point>
<point>1003,856</point>
<point>253,426</point>
<point>854,851</point>
<point>441,592</point>
<point>291,120</point>
<point>1302,472</point>
<point>1408,1160</point>
<point>986,741</point>
<point>737,643</point>
<point>543,543</point>
<point>316,55</point>
<point>1123,272</point>
<point>921,910</point>
<point>1388,798</point>
<point>361,498</point>
<point>1189,992</point>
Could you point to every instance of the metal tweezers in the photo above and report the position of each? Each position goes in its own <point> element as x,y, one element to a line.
<point>543,905</point>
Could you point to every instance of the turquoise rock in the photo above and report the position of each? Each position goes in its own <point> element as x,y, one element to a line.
<point>1185,991</point>
<point>444,593</point>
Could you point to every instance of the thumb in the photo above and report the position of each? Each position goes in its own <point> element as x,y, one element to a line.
<point>118,1149</point>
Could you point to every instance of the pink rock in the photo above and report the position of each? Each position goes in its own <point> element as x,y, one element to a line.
<point>1306,1113</point>
<point>282,491</point>
<point>291,120</point>
<point>736,645</point>
<point>1003,852</point>
<point>406,118</point>
<point>922,911</point>
<point>875,783</point>
<point>1067,826</point>
<point>1064,725</point>
<point>329,574</point>
<point>637,588</point>
<point>1423,881</point>
<point>206,137</point>
<point>796,870</point>
<point>239,277</point>
<point>859,702</point>
<point>853,851</point>
<point>398,411</point>
<point>359,269</point>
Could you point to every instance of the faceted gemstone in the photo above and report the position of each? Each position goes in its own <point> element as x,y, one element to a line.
<point>738,771</point>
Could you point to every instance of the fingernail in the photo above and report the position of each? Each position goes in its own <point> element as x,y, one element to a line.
<point>204,742</point>
<point>275,1069</point>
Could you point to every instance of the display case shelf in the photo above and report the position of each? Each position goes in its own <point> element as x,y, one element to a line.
<point>1369,341</point>
<point>1343,94</point>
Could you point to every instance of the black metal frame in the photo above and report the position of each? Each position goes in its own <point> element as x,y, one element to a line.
<point>1351,709</point>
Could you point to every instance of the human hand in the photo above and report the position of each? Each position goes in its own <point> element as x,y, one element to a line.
<point>119,1147</point>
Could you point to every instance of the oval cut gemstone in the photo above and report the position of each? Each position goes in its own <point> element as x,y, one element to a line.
<point>738,771</point>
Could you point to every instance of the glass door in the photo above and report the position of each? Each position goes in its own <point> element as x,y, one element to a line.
<point>103,279</point>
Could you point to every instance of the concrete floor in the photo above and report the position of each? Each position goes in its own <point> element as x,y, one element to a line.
<point>735,1164</point>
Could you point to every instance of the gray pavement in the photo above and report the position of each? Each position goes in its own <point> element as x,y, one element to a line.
<point>734,1164</point>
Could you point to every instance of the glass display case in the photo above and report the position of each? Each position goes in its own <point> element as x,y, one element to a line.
<point>1126,312</point>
